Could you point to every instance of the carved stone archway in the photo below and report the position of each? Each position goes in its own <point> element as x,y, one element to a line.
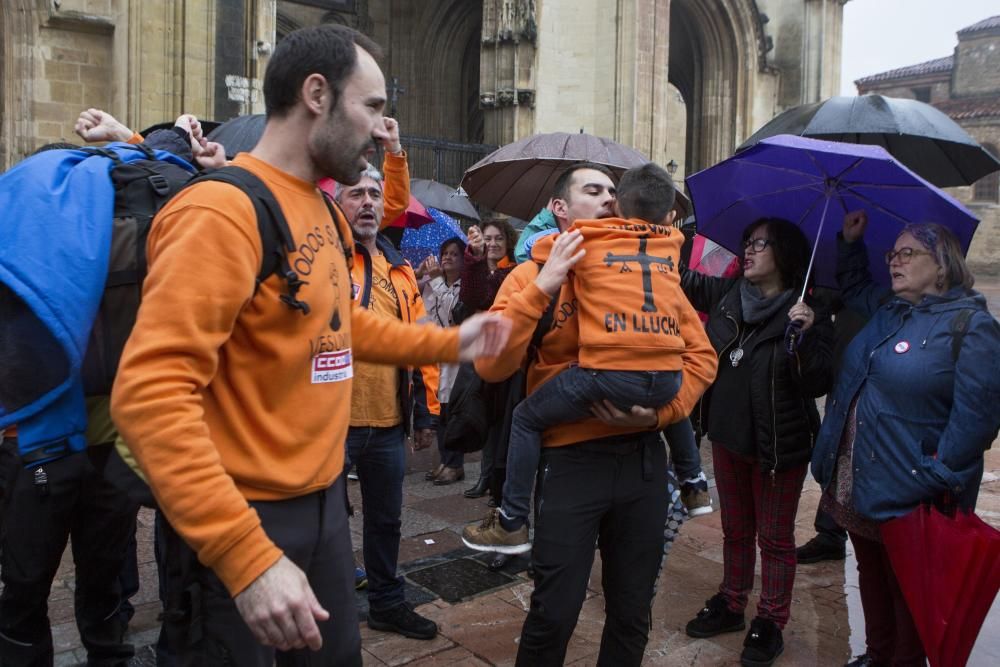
<point>716,53</point>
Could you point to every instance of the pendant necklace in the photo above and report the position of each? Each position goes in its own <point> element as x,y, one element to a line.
<point>735,356</point>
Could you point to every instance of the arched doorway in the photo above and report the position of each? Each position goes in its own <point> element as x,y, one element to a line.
<point>715,50</point>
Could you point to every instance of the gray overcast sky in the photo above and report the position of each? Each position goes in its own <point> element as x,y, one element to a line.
<point>880,35</point>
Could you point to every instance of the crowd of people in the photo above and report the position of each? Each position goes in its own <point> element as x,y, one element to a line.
<point>243,399</point>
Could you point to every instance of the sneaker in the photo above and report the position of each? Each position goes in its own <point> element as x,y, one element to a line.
<point>715,619</point>
<point>360,578</point>
<point>353,475</point>
<point>763,644</point>
<point>819,549</point>
<point>865,661</point>
<point>490,535</point>
<point>402,620</point>
<point>696,499</point>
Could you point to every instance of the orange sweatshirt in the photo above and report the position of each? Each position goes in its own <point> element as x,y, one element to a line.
<point>522,301</point>
<point>629,293</point>
<point>225,395</point>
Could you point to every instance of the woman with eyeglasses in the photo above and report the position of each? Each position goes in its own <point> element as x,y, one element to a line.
<point>761,418</point>
<point>913,410</point>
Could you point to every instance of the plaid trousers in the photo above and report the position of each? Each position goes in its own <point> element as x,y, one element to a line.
<point>757,506</point>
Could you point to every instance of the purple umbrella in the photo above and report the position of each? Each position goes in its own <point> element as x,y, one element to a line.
<point>418,244</point>
<point>814,183</point>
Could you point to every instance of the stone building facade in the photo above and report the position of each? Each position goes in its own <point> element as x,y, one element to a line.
<point>966,86</point>
<point>681,80</point>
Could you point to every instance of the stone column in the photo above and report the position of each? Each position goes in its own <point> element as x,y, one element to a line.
<point>507,69</point>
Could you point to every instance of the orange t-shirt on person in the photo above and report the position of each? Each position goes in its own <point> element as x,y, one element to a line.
<point>375,391</point>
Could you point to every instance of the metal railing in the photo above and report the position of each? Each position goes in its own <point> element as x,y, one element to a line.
<point>441,160</point>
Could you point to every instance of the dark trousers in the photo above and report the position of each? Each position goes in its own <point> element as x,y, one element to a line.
<point>449,457</point>
<point>204,627</point>
<point>613,494</point>
<point>49,503</point>
<point>890,633</point>
<point>829,530</point>
<point>757,507</point>
<point>379,456</point>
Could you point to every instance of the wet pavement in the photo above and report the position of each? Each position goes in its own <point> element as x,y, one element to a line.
<point>480,612</point>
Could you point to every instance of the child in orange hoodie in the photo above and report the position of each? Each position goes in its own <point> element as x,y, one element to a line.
<point>630,301</point>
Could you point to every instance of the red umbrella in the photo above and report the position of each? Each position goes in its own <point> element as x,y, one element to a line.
<point>948,568</point>
<point>414,217</point>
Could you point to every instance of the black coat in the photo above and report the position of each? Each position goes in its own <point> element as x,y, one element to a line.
<point>773,413</point>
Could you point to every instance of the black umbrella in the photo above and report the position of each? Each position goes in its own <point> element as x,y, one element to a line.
<point>438,195</point>
<point>239,134</point>
<point>918,135</point>
<point>207,126</point>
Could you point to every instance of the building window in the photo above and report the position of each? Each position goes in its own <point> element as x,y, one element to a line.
<point>922,94</point>
<point>987,188</point>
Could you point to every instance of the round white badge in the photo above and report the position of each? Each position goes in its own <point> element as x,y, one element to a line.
<point>902,346</point>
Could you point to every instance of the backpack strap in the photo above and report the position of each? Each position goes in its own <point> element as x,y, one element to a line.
<point>543,326</point>
<point>960,327</point>
<point>275,236</point>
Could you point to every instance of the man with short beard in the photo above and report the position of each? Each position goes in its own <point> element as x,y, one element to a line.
<point>381,404</point>
<point>234,396</point>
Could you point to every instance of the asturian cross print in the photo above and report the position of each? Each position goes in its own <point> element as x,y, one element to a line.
<point>646,262</point>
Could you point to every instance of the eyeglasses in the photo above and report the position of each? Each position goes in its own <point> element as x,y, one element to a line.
<point>758,245</point>
<point>903,254</point>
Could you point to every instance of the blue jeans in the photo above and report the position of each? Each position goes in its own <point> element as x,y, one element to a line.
<point>379,456</point>
<point>684,452</point>
<point>567,398</point>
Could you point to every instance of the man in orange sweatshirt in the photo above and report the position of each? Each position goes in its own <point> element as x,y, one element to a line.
<point>634,323</point>
<point>605,477</point>
<point>236,405</point>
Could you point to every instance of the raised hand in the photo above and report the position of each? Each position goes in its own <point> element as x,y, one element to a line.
<point>476,241</point>
<point>855,223</point>
<point>391,142</point>
<point>94,125</point>
<point>565,253</point>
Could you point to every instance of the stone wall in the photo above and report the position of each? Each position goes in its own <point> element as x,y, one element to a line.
<point>977,64</point>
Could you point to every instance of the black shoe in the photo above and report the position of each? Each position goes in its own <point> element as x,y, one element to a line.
<point>402,620</point>
<point>864,661</point>
<point>479,490</point>
<point>715,619</point>
<point>818,549</point>
<point>763,644</point>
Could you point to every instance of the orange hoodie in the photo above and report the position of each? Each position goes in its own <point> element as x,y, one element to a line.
<point>225,394</point>
<point>630,294</point>
<point>522,301</point>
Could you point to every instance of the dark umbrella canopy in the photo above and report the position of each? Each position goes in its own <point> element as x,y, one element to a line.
<point>813,184</point>
<point>918,135</point>
<point>239,134</point>
<point>517,179</point>
<point>433,194</point>
<point>207,127</point>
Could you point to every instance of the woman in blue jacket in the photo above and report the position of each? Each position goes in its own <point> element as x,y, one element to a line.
<point>913,410</point>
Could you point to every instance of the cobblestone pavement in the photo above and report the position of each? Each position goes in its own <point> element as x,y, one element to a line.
<point>826,626</point>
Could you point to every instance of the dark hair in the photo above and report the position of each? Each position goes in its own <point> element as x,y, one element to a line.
<point>55,146</point>
<point>946,250</point>
<point>325,49</point>
<point>454,240</point>
<point>510,236</point>
<point>646,192</point>
<point>561,188</point>
<point>790,246</point>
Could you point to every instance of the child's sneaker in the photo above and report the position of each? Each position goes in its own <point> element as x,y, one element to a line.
<point>695,497</point>
<point>360,578</point>
<point>490,535</point>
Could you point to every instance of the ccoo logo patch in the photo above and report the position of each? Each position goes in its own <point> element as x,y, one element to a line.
<point>902,347</point>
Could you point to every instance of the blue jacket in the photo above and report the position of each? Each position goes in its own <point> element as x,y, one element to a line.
<point>923,420</point>
<point>54,245</point>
